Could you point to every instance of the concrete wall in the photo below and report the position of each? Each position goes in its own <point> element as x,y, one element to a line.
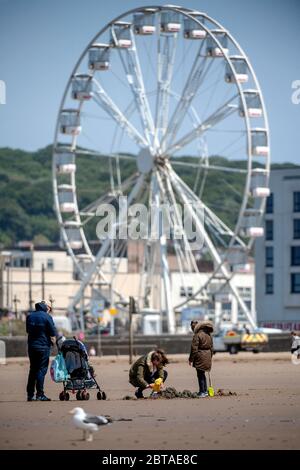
<point>179,344</point>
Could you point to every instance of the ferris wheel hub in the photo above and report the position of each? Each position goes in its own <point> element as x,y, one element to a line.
<point>145,161</point>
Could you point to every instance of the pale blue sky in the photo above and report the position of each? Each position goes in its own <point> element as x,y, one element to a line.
<point>40,41</point>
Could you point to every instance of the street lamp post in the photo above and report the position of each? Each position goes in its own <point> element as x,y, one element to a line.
<point>7,283</point>
<point>30,278</point>
<point>16,301</point>
<point>43,281</point>
<point>7,263</point>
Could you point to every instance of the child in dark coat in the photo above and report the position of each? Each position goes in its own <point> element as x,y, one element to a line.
<point>201,352</point>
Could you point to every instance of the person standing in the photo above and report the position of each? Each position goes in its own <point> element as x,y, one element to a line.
<point>201,352</point>
<point>146,370</point>
<point>41,335</point>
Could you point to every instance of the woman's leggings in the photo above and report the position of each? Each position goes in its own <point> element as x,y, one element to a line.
<point>202,381</point>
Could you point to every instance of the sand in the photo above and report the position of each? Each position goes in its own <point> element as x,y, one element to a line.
<point>265,413</point>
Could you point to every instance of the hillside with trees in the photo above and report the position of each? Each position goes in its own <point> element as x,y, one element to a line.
<point>26,204</point>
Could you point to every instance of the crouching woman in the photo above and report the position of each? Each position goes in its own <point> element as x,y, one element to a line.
<point>201,352</point>
<point>146,370</point>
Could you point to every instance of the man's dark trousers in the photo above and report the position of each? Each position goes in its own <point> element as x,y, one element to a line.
<point>39,361</point>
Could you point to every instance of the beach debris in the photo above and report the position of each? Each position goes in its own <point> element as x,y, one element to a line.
<point>223,393</point>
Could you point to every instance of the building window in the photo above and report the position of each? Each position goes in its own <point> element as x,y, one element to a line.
<point>269,283</point>
<point>21,262</point>
<point>296,201</point>
<point>50,264</point>
<point>295,255</point>
<point>296,228</point>
<point>269,229</point>
<point>295,283</point>
<point>269,256</point>
<point>270,205</point>
<point>186,291</point>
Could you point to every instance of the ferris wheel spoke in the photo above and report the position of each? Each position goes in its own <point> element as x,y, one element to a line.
<point>108,105</point>
<point>195,79</point>
<point>90,210</point>
<point>175,222</point>
<point>188,255</point>
<point>211,219</point>
<point>220,229</point>
<point>188,201</point>
<point>208,166</point>
<point>135,79</point>
<point>159,197</point>
<point>150,255</point>
<point>166,51</point>
<point>219,115</point>
<point>119,254</point>
<point>94,153</point>
<point>149,260</point>
<point>201,176</point>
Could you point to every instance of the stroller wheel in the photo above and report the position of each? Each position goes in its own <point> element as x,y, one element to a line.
<point>85,395</point>
<point>62,396</point>
<point>99,396</point>
<point>78,395</point>
<point>67,396</point>
<point>103,396</point>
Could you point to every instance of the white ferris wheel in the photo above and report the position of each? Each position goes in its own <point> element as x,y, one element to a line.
<point>160,97</point>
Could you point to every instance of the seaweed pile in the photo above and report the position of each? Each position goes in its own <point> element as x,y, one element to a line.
<point>171,392</point>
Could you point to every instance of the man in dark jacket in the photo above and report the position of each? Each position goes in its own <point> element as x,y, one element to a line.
<point>201,352</point>
<point>41,334</point>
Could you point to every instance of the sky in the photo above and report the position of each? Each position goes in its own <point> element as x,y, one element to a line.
<point>41,40</point>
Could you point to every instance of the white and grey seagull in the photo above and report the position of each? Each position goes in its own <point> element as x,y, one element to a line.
<point>87,422</point>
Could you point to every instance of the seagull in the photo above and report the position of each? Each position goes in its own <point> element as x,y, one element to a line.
<point>87,422</point>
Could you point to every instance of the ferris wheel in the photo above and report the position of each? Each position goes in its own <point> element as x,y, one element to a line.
<point>166,105</point>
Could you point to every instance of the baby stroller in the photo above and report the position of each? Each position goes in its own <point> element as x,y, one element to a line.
<point>81,374</point>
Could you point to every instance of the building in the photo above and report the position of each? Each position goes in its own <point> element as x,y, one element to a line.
<point>277,254</point>
<point>29,274</point>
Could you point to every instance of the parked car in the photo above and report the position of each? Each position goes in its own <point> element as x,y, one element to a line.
<point>234,340</point>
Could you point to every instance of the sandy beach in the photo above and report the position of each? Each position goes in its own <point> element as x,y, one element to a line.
<point>264,414</point>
